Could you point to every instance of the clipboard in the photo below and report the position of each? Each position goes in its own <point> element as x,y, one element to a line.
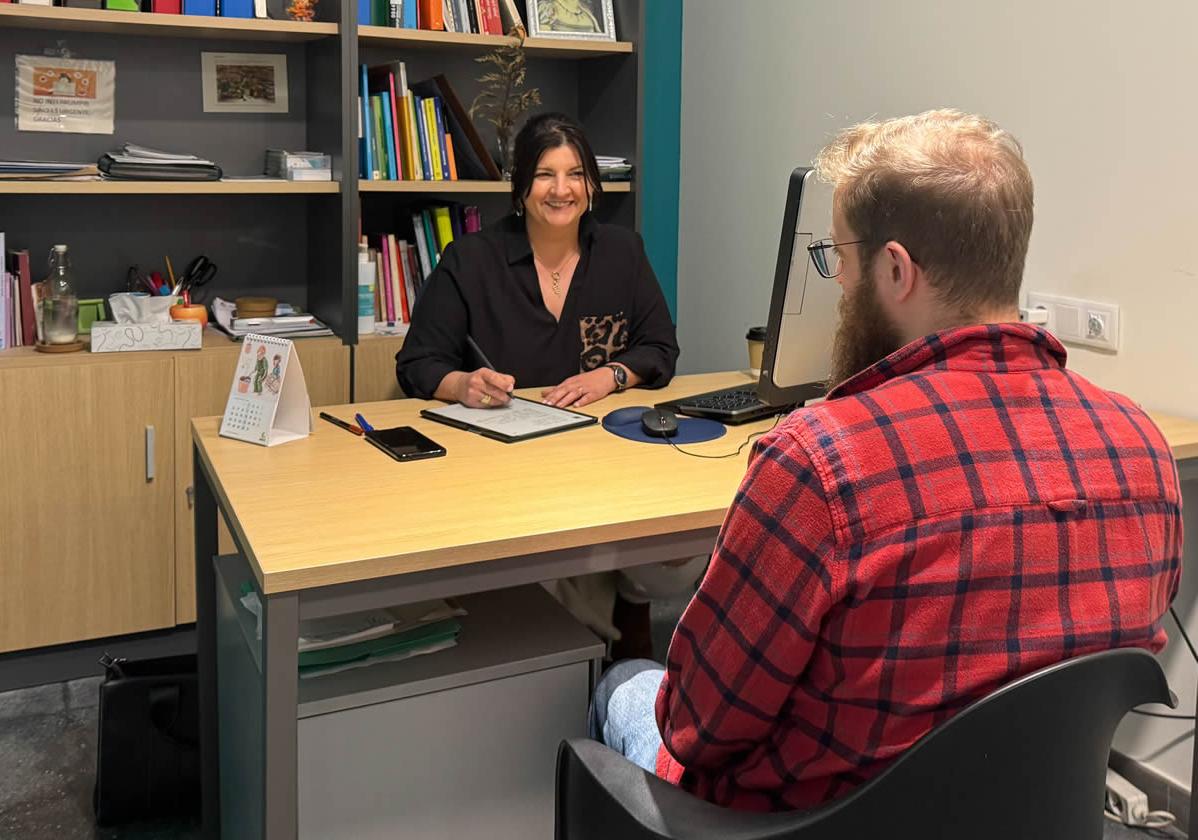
<point>519,420</point>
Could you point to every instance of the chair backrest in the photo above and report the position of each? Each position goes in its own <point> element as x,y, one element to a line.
<point>1027,761</point>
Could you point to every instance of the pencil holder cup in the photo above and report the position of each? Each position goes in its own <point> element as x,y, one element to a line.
<point>190,312</point>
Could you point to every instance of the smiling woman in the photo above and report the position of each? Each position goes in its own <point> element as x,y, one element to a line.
<point>553,298</point>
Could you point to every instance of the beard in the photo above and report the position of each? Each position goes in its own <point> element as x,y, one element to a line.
<point>865,334</point>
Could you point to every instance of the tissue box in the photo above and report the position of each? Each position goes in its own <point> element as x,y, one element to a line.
<point>111,337</point>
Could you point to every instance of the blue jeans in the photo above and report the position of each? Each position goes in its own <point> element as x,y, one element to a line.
<point>622,714</point>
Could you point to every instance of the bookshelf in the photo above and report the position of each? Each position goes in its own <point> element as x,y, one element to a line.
<point>464,187</point>
<point>227,187</point>
<point>66,19</point>
<point>293,240</point>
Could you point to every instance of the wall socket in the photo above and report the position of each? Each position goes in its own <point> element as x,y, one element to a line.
<point>1077,321</point>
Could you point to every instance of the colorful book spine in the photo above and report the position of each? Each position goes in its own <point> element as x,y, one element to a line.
<point>430,132</point>
<point>237,8</point>
<point>389,137</point>
<point>398,172</point>
<point>398,280</point>
<point>388,270</point>
<point>379,172</point>
<point>439,123</point>
<point>368,165</point>
<point>199,7</point>
<point>426,159</point>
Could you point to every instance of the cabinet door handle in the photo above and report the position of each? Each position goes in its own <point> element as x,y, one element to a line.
<point>149,453</point>
<point>191,496</point>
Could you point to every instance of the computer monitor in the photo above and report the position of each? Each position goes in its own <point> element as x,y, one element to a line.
<point>803,305</point>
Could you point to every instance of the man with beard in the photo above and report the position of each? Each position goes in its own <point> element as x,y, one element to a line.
<point>962,510</point>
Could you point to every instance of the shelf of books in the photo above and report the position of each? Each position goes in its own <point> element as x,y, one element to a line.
<point>383,36</point>
<point>229,187</point>
<point>161,25</point>
<point>464,187</point>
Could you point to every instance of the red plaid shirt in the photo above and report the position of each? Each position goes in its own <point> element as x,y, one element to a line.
<point>964,512</point>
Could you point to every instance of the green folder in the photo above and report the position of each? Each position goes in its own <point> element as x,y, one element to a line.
<point>417,637</point>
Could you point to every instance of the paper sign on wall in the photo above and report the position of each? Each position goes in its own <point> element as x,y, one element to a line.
<point>268,401</point>
<point>65,94</point>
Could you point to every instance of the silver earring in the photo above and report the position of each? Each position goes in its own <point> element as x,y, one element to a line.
<point>520,210</point>
<point>591,203</point>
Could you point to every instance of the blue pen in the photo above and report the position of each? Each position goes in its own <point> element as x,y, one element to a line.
<point>362,422</point>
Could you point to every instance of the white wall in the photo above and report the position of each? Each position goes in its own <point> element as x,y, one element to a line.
<point>1102,97</point>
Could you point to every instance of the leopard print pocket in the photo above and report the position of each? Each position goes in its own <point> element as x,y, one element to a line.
<point>603,336</point>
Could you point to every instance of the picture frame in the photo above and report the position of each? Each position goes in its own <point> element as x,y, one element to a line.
<point>244,83</point>
<point>588,20</point>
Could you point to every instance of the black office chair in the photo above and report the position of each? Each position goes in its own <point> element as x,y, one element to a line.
<point>1028,761</point>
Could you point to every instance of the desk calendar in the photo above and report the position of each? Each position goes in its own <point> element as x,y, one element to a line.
<point>268,401</point>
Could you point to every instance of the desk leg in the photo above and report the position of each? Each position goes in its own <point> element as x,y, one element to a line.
<point>280,700</point>
<point>204,513</point>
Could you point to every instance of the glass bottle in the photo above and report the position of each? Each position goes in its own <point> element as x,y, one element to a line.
<point>60,306</point>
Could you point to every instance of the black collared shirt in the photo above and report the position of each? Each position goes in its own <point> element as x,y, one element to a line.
<point>486,286</point>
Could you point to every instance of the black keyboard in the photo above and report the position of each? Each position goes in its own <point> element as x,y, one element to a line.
<point>734,399</point>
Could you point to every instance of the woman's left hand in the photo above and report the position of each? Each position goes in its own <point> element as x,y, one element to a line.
<point>580,390</point>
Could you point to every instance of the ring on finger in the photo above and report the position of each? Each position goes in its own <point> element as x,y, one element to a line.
<point>485,399</point>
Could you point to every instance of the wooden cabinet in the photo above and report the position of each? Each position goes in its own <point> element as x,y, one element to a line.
<point>202,383</point>
<point>86,498</point>
<point>374,368</point>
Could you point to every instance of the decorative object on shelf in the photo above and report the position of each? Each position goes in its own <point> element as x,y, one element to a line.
<point>67,95</point>
<point>304,10</point>
<point>592,20</point>
<point>244,83</point>
<point>501,100</point>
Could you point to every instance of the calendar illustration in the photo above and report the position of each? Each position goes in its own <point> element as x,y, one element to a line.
<point>268,400</point>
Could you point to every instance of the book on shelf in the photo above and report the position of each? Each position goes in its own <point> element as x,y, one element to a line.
<point>473,160</point>
<point>404,262</point>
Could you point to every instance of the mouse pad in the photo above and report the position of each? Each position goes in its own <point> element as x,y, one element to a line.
<point>626,422</point>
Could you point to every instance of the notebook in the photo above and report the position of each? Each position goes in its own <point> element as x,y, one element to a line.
<point>520,419</point>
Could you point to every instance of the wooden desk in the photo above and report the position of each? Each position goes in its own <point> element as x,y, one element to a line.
<point>329,525</point>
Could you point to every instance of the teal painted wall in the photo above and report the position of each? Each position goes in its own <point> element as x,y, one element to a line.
<point>661,111</point>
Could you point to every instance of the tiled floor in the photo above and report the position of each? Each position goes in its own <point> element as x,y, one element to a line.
<point>48,764</point>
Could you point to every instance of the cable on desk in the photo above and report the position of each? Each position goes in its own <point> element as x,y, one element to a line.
<point>730,454</point>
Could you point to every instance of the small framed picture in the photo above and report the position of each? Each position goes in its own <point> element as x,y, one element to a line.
<point>592,20</point>
<point>244,83</point>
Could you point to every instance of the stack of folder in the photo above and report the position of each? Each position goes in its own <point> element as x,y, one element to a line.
<point>339,643</point>
<point>138,163</point>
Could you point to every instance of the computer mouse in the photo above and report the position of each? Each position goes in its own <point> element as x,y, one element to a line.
<point>657,422</point>
<point>624,416</point>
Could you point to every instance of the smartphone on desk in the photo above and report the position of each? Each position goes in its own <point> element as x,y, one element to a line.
<point>403,443</point>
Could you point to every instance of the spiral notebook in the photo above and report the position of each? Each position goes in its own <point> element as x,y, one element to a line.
<point>268,401</point>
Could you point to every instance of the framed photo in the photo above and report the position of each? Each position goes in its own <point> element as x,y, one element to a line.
<point>244,83</point>
<point>592,20</point>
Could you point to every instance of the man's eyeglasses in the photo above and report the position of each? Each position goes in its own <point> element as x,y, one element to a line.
<point>825,257</point>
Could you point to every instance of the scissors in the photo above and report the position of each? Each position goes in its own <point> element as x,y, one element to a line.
<point>198,273</point>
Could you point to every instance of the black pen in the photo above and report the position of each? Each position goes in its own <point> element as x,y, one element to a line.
<point>482,357</point>
<point>354,429</point>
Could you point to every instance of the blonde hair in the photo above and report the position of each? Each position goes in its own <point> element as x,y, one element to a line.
<point>952,188</point>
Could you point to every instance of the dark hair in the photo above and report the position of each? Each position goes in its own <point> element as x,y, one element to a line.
<point>540,134</point>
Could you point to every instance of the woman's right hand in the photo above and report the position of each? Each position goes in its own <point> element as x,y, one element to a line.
<point>484,388</point>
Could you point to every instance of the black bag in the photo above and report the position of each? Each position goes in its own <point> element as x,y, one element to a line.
<point>148,757</point>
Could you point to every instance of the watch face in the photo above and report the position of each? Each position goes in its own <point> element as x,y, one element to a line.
<point>620,375</point>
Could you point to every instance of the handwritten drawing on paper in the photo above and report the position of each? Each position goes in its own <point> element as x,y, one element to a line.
<point>67,95</point>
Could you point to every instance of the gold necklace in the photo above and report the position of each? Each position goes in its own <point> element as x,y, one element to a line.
<point>556,276</point>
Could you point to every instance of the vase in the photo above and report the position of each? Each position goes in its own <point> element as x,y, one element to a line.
<point>505,155</point>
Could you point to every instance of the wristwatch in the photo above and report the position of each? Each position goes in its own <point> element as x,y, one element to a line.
<point>621,376</point>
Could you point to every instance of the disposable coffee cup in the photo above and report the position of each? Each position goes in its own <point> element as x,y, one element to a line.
<point>756,338</point>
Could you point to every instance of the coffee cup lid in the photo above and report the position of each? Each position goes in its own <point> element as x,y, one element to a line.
<point>755,334</point>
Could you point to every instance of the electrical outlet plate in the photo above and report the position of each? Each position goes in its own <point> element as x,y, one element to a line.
<point>1077,321</point>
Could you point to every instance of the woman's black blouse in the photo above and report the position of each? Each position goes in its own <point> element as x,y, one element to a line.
<point>486,286</point>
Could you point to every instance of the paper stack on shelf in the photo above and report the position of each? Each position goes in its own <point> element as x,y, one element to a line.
<point>283,326</point>
<point>42,170</point>
<point>339,643</point>
<point>614,168</point>
<point>298,166</point>
<point>139,163</point>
